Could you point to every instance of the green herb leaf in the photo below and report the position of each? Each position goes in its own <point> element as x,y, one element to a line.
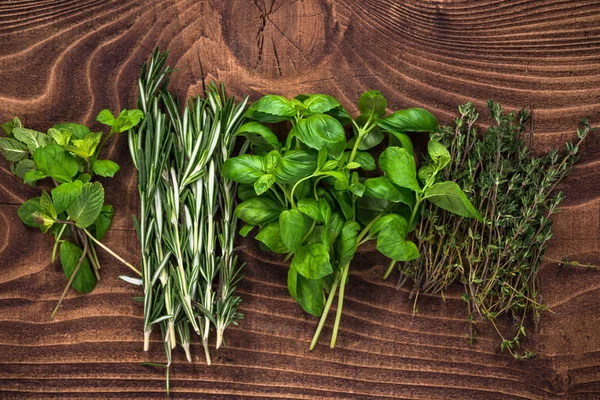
<point>62,137</point>
<point>382,188</point>
<point>309,294</point>
<point>126,120</point>
<point>368,207</point>
<point>259,135</point>
<point>104,220</point>
<point>106,117</point>
<point>320,103</point>
<point>409,120</point>
<point>347,242</point>
<point>291,226</point>
<point>84,281</point>
<point>372,103</point>
<point>271,160</point>
<point>88,205</point>
<point>438,153</point>
<point>345,202</point>
<point>33,176</point>
<point>22,167</point>
<point>106,168</point>
<point>85,147</point>
<point>26,211</point>
<point>426,172</point>
<point>312,261</point>
<point>311,207</point>
<point>391,239</point>
<point>12,149</point>
<point>64,195</point>
<point>271,109</point>
<point>33,139</point>
<point>270,236</point>
<point>399,166</point>
<point>78,131</point>
<point>246,168</point>
<point>370,140</point>
<point>8,127</point>
<point>246,229</point>
<point>333,229</point>
<point>47,206</point>
<point>263,183</point>
<point>54,161</point>
<point>450,197</point>
<point>295,165</point>
<point>402,139</point>
<point>322,131</point>
<point>366,160</point>
<point>258,211</point>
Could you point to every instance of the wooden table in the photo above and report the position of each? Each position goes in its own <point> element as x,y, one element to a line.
<point>67,60</point>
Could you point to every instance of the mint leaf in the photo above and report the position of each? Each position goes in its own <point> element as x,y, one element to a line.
<point>85,147</point>
<point>12,149</point>
<point>54,161</point>
<point>84,281</point>
<point>26,211</point>
<point>106,117</point>
<point>64,195</point>
<point>104,220</point>
<point>22,167</point>
<point>33,139</point>
<point>106,168</point>
<point>31,177</point>
<point>60,136</point>
<point>87,206</point>
<point>78,131</point>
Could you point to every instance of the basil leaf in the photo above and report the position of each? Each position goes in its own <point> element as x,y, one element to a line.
<point>263,183</point>
<point>333,229</point>
<point>295,165</point>
<point>324,210</point>
<point>270,161</point>
<point>87,206</point>
<point>246,168</point>
<point>368,207</point>
<point>311,208</point>
<point>438,153</point>
<point>401,139</point>
<point>270,236</point>
<point>366,160</point>
<point>84,281</point>
<point>26,211</point>
<point>348,242</point>
<point>271,109</point>
<point>309,294</point>
<point>64,195</point>
<point>341,115</point>
<point>246,192</point>
<point>291,226</point>
<point>372,139</point>
<point>54,161</point>
<point>409,120</point>
<point>77,130</point>
<point>322,131</point>
<point>400,168</point>
<point>426,172</point>
<point>391,241</point>
<point>259,135</point>
<point>372,103</point>
<point>382,188</point>
<point>245,230</point>
<point>12,149</point>
<point>450,197</point>
<point>33,139</point>
<point>104,221</point>
<point>258,211</point>
<point>345,202</point>
<point>320,103</point>
<point>312,261</point>
<point>106,168</point>
<point>292,282</point>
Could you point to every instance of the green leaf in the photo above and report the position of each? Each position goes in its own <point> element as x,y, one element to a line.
<point>259,135</point>
<point>391,239</point>
<point>12,149</point>
<point>409,120</point>
<point>450,197</point>
<point>84,178</point>
<point>372,103</point>
<point>84,281</point>
<point>246,192</point>
<point>357,188</point>
<point>341,179</point>
<point>22,167</point>
<point>370,140</point>
<point>311,208</point>
<point>329,165</point>
<point>246,229</point>
<point>54,161</point>
<point>353,165</point>
<point>106,168</point>
<point>272,109</point>
<point>246,168</point>
<point>366,160</point>
<point>106,117</point>
<point>26,211</point>
<point>85,147</point>
<point>345,202</point>
<point>438,153</point>
<point>126,120</point>
<point>382,188</point>
<point>309,294</point>
<point>88,205</point>
<point>292,282</point>
<point>270,236</point>
<point>426,172</point>
<point>403,140</point>
<point>322,158</point>
<point>333,229</point>
<point>322,131</point>
<point>104,220</point>
<point>45,221</point>
<point>270,161</point>
<point>324,210</point>
<point>33,176</point>
<point>295,165</point>
<point>258,211</point>
<point>312,261</point>
<point>64,195</point>
<point>320,103</point>
<point>78,131</point>
<point>33,139</point>
<point>400,168</point>
<point>368,207</point>
<point>341,115</point>
<point>348,242</point>
<point>62,137</point>
<point>47,206</point>
<point>291,226</point>
<point>263,183</point>
<point>8,127</point>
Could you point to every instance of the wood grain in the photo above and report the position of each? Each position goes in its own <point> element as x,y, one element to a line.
<point>66,60</point>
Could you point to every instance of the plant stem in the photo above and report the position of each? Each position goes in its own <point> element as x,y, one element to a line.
<point>338,312</point>
<point>389,270</point>
<point>71,278</point>
<point>332,291</point>
<point>115,255</point>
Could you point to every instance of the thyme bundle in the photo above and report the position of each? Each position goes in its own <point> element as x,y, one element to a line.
<point>497,261</point>
<point>186,211</point>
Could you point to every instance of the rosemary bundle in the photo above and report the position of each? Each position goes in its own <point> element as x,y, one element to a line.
<point>497,261</point>
<point>186,225</point>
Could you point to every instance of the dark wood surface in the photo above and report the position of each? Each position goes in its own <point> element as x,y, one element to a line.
<point>66,60</point>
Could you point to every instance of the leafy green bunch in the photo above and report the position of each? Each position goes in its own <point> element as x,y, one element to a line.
<point>68,156</point>
<point>318,196</point>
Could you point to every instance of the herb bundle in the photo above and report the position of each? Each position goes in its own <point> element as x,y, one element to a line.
<point>496,261</point>
<point>315,198</point>
<point>186,225</point>
<point>68,155</point>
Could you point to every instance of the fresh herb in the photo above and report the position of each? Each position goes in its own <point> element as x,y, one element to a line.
<point>68,155</point>
<point>496,261</point>
<point>187,225</point>
<point>317,198</point>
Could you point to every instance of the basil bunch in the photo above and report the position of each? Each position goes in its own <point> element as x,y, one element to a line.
<point>317,197</point>
<point>68,155</point>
